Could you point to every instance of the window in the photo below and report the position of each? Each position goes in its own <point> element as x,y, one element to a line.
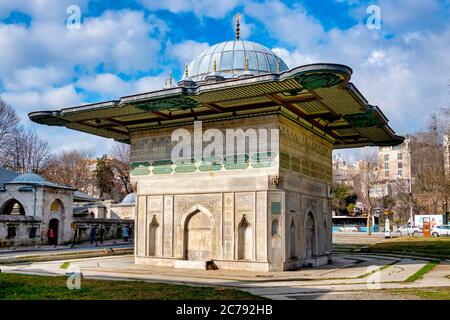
<point>400,173</point>
<point>204,64</point>
<point>251,60</point>
<point>274,227</point>
<point>239,60</point>
<point>11,232</point>
<point>272,63</point>
<point>386,157</point>
<point>386,174</point>
<point>227,61</point>
<point>262,63</point>
<point>32,232</point>
<point>400,156</point>
<point>400,165</point>
<point>55,206</point>
<point>386,166</point>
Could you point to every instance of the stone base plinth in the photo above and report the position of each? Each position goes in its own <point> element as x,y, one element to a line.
<point>307,263</point>
<point>188,264</point>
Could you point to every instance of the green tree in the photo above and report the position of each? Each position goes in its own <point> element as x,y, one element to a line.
<point>351,208</point>
<point>104,175</point>
<point>342,196</point>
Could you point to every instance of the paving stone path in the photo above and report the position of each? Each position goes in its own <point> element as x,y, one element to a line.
<point>350,276</point>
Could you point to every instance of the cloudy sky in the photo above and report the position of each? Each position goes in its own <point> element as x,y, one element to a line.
<point>129,46</point>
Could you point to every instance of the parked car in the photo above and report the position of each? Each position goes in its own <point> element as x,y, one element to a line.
<point>439,231</point>
<point>409,230</point>
<point>348,229</point>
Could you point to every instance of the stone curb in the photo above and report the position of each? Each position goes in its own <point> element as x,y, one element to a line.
<point>67,256</point>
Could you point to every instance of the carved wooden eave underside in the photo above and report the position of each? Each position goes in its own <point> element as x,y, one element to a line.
<point>318,97</point>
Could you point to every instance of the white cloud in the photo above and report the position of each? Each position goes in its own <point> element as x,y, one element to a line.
<point>106,84</point>
<point>61,138</point>
<point>34,78</point>
<point>407,15</point>
<point>377,57</point>
<point>110,86</point>
<point>294,58</point>
<point>50,98</point>
<point>147,84</point>
<point>121,41</point>
<point>287,24</point>
<point>43,10</point>
<point>42,60</point>
<point>401,74</point>
<point>201,8</point>
<point>184,52</point>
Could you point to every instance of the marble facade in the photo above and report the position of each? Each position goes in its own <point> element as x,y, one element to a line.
<point>265,215</point>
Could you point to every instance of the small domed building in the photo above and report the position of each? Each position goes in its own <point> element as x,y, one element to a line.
<point>34,211</point>
<point>124,210</point>
<point>233,164</point>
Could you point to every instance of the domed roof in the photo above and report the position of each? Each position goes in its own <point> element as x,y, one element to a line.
<point>29,178</point>
<point>230,59</point>
<point>130,199</point>
<point>34,179</point>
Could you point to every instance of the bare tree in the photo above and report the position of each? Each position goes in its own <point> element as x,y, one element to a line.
<point>120,162</point>
<point>401,203</point>
<point>365,183</point>
<point>9,122</point>
<point>72,168</point>
<point>431,183</point>
<point>27,153</point>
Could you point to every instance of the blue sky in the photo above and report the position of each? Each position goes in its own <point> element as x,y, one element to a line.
<point>129,46</point>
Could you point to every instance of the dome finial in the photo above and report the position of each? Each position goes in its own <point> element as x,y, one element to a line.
<point>215,66</point>
<point>170,78</point>
<point>238,25</point>
<point>186,72</point>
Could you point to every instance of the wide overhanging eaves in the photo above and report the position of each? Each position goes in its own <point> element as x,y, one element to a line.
<point>318,97</point>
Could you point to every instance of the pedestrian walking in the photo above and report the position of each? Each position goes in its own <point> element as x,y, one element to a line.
<point>93,235</point>
<point>101,234</point>
<point>125,234</point>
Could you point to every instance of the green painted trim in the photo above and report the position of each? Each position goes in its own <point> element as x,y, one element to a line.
<point>162,170</point>
<point>238,161</point>
<point>264,164</point>
<point>315,81</point>
<point>210,167</point>
<point>275,208</point>
<point>159,163</point>
<point>140,168</point>
<point>175,102</point>
<point>185,168</point>
<point>364,120</point>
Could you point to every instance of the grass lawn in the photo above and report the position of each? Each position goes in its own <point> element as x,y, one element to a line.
<point>26,287</point>
<point>424,270</point>
<point>412,245</point>
<point>439,293</point>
